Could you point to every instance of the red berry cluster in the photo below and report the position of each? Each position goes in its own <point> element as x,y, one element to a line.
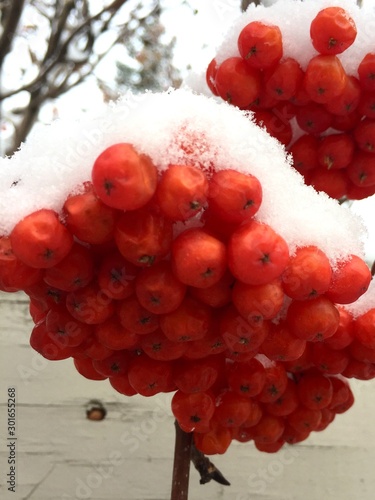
<point>164,281</point>
<point>334,111</point>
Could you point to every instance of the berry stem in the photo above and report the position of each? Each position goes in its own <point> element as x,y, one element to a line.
<point>181,464</point>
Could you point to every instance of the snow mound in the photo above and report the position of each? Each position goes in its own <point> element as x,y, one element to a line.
<point>176,127</point>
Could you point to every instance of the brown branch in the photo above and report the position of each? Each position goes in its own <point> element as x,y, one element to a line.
<point>181,464</point>
<point>207,470</point>
<point>10,26</point>
<point>246,3</point>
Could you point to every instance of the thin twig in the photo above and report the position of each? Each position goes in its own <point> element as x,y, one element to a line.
<point>207,470</point>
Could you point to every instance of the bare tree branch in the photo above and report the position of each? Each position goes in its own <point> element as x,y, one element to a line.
<point>246,3</point>
<point>12,18</point>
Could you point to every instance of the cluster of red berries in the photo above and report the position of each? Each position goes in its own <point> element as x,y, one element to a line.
<point>334,111</point>
<point>164,281</point>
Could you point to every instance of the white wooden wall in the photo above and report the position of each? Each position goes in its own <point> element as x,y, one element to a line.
<point>61,455</point>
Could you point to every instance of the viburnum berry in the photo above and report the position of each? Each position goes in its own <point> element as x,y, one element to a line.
<point>116,276</point>
<point>150,376</point>
<point>364,328</point>
<point>247,379</point>
<point>181,192</point>
<point>93,349</point>
<point>281,345</point>
<point>268,430</point>
<point>256,303</point>
<point>231,409</point>
<point>366,72</point>
<point>158,290</point>
<point>217,295</point>
<point>286,403</point>
<point>65,329</point>
<point>211,343</point>
<point>157,346</point>
<point>275,125</point>
<point>256,253</point>
<point>122,385</point>
<point>305,153</point>
<point>193,411</point>
<point>88,218</point>
<point>134,317</point>
<point>366,104</point>
<point>47,345</point>
<point>198,375</point>
<point>327,360</point>
<point>237,83</point>
<point>210,258</point>
<point>215,441</point>
<point>351,278</point>
<point>14,274</point>
<point>332,31</point>
<point>334,182</point>
<point>364,135</point>
<point>260,45</point>
<point>85,368</point>
<point>143,237</point>
<point>345,332</point>
<point>238,334</point>
<point>123,178</point>
<point>235,196</point>
<point>308,273</point>
<point>313,118</point>
<point>304,420</point>
<point>40,239</point>
<point>190,321</point>
<point>348,101</point>
<point>75,271</point>
<point>115,364</point>
<point>114,335</point>
<point>276,381</point>
<point>361,170</point>
<point>325,78</point>
<point>211,76</point>
<point>315,391</point>
<point>89,304</point>
<point>336,151</point>
<point>285,80</point>
<point>313,320</point>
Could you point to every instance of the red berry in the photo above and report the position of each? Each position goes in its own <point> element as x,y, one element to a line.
<point>193,411</point>
<point>332,31</point>
<point>123,178</point>
<point>325,78</point>
<point>260,45</point>
<point>351,278</point>
<point>315,391</point>
<point>285,80</point>
<point>257,254</point>
<point>366,72</point>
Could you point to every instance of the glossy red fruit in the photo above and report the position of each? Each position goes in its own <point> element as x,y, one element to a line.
<point>256,303</point>
<point>190,321</point>
<point>157,346</point>
<point>193,411</point>
<point>116,276</point>
<point>158,290</point>
<point>215,441</point>
<point>285,80</point>
<point>351,278</point>
<point>281,345</point>
<point>134,317</point>
<point>308,274</point>
<point>313,320</point>
<point>332,31</point>
<point>364,329</point>
<point>143,237</point>
<point>181,192</point>
<point>336,151</point>
<point>286,403</point>
<point>315,391</point>
<point>216,295</point>
<point>89,305</point>
<point>268,430</point>
<point>275,125</point>
<point>325,78</point>
<point>303,420</point>
<point>40,240</point>
<point>237,83</point>
<point>149,376</point>
<point>88,218</point>
<point>85,368</point>
<point>305,153</point>
<point>247,379</point>
<point>211,76</point>
<point>198,375</point>
<point>276,381</point>
<point>122,385</point>
<point>366,72</point>
<point>75,271</point>
<point>231,409</point>
<point>123,178</point>
<point>114,335</point>
<point>238,334</point>
<point>66,330</point>
<point>14,274</point>
<point>348,101</point>
<point>260,45</point>
<point>234,196</point>
<point>46,345</point>
<point>198,259</point>
<point>345,332</point>
<point>361,171</point>
<point>257,254</point>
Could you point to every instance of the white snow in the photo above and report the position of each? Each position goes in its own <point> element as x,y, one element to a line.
<point>58,158</point>
<point>364,303</point>
<point>294,17</point>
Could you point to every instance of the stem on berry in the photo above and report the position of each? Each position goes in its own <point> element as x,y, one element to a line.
<point>181,464</point>
<point>207,470</point>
